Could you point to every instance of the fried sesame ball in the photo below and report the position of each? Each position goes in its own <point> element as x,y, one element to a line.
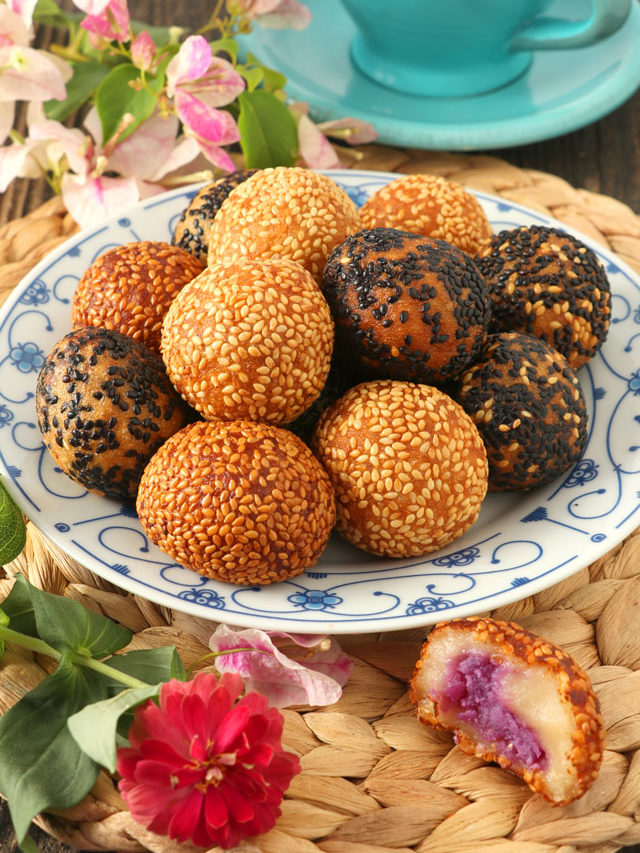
<point>130,287</point>
<point>104,406</point>
<point>512,697</point>
<point>285,212</point>
<point>405,306</point>
<point>192,230</point>
<point>429,205</point>
<point>251,339</point>
<point>237,501</point>
<point>547,283</point>
<point>527,402</point>
<point>407,464</point>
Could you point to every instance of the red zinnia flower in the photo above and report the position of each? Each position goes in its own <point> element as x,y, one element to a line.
<point>204,765</point>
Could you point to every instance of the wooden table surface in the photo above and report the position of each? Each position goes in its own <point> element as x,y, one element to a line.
<point>603,157</point>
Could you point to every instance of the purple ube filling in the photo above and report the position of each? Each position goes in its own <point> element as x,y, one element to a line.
<point>473,692</point>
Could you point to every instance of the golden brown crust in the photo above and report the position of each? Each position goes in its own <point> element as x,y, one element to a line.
<point>430,205</point>
<point>284,212</point>
<point>237,501</point>
<point>574,686</point>
<point>251,339</point>
<point>130,288</point>
<point>407,464</point>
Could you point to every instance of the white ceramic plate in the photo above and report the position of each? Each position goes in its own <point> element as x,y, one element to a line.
<point>521,544</point>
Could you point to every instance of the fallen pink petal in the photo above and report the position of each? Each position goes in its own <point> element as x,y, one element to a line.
<point>315,149</point>
<point>351,130</point>
<point>315,676</point>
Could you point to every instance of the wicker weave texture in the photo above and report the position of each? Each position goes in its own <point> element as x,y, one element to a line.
<point>374,780</point>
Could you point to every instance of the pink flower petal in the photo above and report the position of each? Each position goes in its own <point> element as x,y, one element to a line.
<point>287,14</point>
<point>190,63</point>
<point>147,149</point>
<point>317,680</point>
<point>205,122</point>
<point>75,146</point>
<point>112,23</point>
<point>315,149</point>
<point>14,160</point>
<point>92,7</point>
<point>24,8</point>
<point>29,75</point>
<point>13,28</point>
<point>351,130</point>
<point>143,51</point>
<point>91,200</point>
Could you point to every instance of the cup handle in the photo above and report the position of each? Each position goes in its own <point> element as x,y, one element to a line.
<point>552,33</point>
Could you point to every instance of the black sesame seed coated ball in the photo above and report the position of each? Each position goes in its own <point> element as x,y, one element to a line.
<point>528,405</point>
<point>405,306</point>
<point>192,231</point>
<point>547,283</point>
<point>105,405</point>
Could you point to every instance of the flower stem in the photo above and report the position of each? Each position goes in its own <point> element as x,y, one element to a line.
<point>105,669</point>
<point>34,644</point>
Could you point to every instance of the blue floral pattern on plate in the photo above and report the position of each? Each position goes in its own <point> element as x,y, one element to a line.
<point>521,544</point>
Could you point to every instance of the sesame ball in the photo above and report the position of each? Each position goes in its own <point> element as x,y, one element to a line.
<point>527,402</point>
<point>237,501</point>
<point>547,283</point>
<point>249,339</point>
<point>405,306</point>
<point>130,287</point>
<point>192,230</point>
<point>104,406</point>
<point>407,464</point>
<point>429,205</point>
<point>291,213</point>
<point>513,698</point>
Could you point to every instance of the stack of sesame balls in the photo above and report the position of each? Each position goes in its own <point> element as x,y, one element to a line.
<point>291,364</point>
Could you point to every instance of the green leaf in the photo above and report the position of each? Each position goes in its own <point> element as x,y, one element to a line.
<point>254,76</point>
<point>115,97</point>
<point>41,765</point>
<point>18,607</point>
<point>228,46</point>
<point>150,665</point>
<point>94,728</point>
<point>49,12</point>
<point>13,531</point>
<point>67,626</point>
<point>268,131</point>
<point>87,76</point>
<point>273,80</point>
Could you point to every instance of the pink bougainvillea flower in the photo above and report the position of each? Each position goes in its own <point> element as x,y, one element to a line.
<point>143,51</point>
<point>276,14</point>
<point>153,150</point>
<point>29,75</point>
<point>13,29</point>
<point>206,764</point>
<point>110,23</point>
<point>199,83</point>
<point>23,8</point>
<point>354,131</point>
<point>312,672</point>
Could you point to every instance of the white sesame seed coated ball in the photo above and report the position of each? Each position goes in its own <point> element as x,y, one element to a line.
<point>249,339</point>
<point>285,212</point>
<point>238,501</point>
<point>432,206</point>
<point>407,464</point>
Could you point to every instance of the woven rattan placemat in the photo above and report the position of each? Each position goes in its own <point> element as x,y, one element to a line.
<point>374,780</point>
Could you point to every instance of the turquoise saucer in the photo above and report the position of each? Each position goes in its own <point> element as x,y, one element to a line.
<point>560,92</point>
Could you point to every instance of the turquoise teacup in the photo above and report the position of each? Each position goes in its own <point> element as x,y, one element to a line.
<point>466,47</point>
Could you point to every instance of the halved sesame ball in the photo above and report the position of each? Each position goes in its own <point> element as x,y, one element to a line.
<point>407,464</point>
<point>249,339</point>
<point>192,230</point>
<point>528,405</point>
<point>130,288</point>
<point>547,283</point>
<point>430,205</point>
<point>285,212</point>
<point>104,406</point>
<point>513,698</point>
<point>238,501</point>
